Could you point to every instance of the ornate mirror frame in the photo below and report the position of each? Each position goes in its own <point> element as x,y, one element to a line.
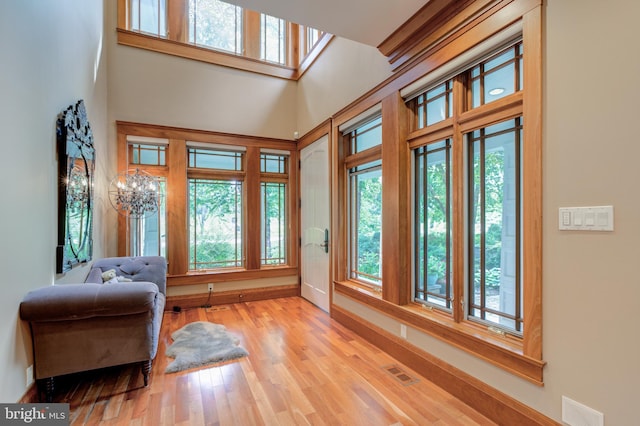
<point>76,159</point>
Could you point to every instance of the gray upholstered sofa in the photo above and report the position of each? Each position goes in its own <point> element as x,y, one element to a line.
<point>79,327</point>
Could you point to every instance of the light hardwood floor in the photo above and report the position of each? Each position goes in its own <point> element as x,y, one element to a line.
<point>303,368</point>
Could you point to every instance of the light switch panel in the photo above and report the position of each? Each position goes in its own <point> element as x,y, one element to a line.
<point>597,218</point>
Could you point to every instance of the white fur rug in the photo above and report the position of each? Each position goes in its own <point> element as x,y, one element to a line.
<point>201,343</point>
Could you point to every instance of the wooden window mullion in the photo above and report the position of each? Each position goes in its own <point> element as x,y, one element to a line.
<point>252,34</point>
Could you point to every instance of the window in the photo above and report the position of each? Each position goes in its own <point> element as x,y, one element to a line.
<point>492,156</point>
<point>432,218</point>
<point>148,233</point>
<point>311,37</point>
<point>365,212</point>
<point>215,208</point>
<point>462,166</point>
<point>366,136</point>
<point>151,155</point>
<point>274,206</point>
<point>365,201</point>
<point>273,36</point>
<point>215,24</point>
<point>215,224</point>
<point>497,77</point>
<point>212,30</point>
<point>495,286</point>
<point>226,209</point>
<point>434,105</point>
<point>149,16</point>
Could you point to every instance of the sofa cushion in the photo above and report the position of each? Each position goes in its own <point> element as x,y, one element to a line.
<point>95,276</point>
<point>144,268</point>
<point>77,301</point>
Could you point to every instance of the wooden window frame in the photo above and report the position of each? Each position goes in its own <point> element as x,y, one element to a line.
<point>519,356</point>
<point>176,43</point>
<point>277,178</point>
<point>177,173</point>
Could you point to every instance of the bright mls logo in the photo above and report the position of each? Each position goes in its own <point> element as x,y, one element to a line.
<point>34,414</point>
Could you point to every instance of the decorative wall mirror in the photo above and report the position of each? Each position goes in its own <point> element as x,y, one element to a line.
<point>76,157</point>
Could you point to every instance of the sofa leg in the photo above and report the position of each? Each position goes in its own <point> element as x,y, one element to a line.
<point>49,385</point>
<point>146,370</point>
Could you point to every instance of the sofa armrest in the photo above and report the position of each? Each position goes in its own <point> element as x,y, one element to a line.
<point>78,301</point>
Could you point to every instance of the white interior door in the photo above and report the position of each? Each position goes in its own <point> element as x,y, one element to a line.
<point>314,218</point>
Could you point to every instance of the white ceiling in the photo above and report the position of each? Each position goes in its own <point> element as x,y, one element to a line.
<point>365,21</point>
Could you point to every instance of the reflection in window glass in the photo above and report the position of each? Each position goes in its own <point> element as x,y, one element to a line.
<point>215,24</point>
<point>497,77</point>
<point>365,209</point>
<point>148,234</point>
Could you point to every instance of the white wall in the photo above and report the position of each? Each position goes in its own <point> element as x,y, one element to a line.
<point>591,288</point>
<point>344,71</point>
<point>52,55</point>
<point>149,87</point>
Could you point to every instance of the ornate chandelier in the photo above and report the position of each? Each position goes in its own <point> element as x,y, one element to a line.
<point>135,194</point>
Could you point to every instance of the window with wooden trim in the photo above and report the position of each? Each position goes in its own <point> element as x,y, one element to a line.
<point>476,110</point>
<point>273,38</point>
<point>148,16</point>
<point>216,24</point>
<point>219,27</point>
<point>432,224</point>
<point>274,176</point>
<point>226,202</point>
<point>492,154</point>
<point>215,200</point>
<point>147,235</point>
<point>494,192</point>
<point>364,202</point>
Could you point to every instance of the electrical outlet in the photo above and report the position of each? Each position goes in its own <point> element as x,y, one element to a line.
<point>210,287</point>
<point>403,331</point>
<point>29,373</point>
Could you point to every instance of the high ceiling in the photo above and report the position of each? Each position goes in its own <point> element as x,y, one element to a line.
<point>365,21</point>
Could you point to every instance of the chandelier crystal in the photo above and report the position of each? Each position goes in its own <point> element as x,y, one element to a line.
<point>135,194</point>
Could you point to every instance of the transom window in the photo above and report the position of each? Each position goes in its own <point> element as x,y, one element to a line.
<point>497,77</point>
<point>153,155</point>
<point>273,39</point>
<point>434,105</point>
<point>214,159</point>
<point>366,136</point>
<point>218,26</point>
<point>215,24</point>
<point>149,16</point>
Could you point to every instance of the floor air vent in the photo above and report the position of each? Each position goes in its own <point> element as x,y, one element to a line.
<point>400,375</point>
